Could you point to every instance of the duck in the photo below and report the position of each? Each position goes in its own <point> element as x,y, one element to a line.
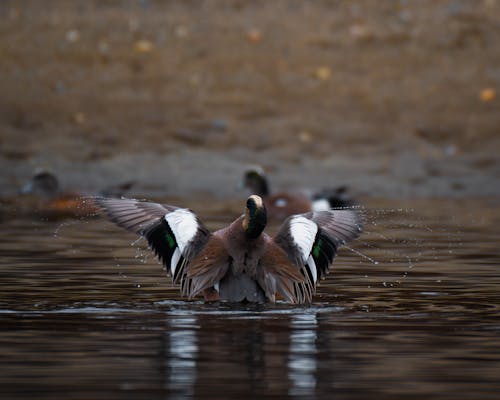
<point>52,201</point>
<point>240,262</point>
<point>284,204</point>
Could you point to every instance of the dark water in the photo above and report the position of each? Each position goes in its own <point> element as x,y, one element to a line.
<point>412,310</point>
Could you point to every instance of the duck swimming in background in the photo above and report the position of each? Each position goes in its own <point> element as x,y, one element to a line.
<point>51,201</point>
<point>284,204</point>
<point>239,262</point>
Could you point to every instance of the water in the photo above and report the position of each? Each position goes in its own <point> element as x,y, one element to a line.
<point>412,310</point>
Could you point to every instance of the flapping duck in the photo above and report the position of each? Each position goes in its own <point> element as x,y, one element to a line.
<point>239,263</point>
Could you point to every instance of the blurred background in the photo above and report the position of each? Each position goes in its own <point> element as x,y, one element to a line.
<point>395,99</point>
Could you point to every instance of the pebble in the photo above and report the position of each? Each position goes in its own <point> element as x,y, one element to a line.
<point>323,73</point>
<point>79,118</point>
<point>305,137</point>
<point>487,94</point>
<point>143,46</point>
<point>72,36</point>
<point>359,31</point>
<point>218,124</point>
<point>254,35</point>
<point>181,31</point>
<point>103,47</point>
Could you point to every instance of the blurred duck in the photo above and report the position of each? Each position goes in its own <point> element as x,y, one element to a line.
<point>239,263</point>
<point>283,204</point>
<point>51,201</point>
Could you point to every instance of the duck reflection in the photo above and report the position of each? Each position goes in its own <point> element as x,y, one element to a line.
<point>181,355</point>
<point>302,354</point>
<point>244,355</point>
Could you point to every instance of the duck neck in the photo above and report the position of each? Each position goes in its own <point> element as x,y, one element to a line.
<point>258,185</point>
<point>262,187</point>
<point>254,222</point>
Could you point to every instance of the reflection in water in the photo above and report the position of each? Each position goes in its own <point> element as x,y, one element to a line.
<point>181,356</point>
<point>239,353</point>
<point>241,349</point>
<point>302,356</point>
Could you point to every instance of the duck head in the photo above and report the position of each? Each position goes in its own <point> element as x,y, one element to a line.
<point>43,183</point>
<point>255,180</point>
<point>255,219</point>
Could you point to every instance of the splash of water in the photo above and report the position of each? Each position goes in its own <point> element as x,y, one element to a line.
<point>357,252</point>
<point>62,225</point>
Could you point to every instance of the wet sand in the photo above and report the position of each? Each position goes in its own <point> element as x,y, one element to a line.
<point>395,99</point>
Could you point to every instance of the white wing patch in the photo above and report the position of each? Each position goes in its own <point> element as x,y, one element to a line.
<point>303,232</point>
<point>280,202</point>
<point>321,205</point>
<point>174,261</point>
<point>312,267</point>
<point>184,227</point>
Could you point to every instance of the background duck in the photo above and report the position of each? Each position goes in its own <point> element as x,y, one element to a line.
<point>284,204</point>
<point>51,201</point>
<point>239,262</point>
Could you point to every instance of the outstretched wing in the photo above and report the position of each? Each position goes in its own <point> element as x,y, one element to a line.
<point>175,234</point>
<point>311,241</point>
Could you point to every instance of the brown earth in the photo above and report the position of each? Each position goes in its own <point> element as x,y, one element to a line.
<point>395,99</point>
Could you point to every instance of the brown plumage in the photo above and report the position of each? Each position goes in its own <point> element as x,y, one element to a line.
<point>239,262</point>
<point>282,205</point>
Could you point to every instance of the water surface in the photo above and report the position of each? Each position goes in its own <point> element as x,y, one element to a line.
<point>411,309</point>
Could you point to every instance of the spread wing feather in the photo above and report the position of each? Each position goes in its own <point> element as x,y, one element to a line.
<point>311,242</point>
<point>175,234</point>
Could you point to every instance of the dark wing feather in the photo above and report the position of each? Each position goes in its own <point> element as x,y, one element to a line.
<point>176,235</point>
<point>311,242</point>
<point>157,237</point>
<point>323,251</point>
<point>133,215</point>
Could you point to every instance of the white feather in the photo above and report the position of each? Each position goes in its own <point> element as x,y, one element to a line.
<point>217,287</point>
<point>280,202</point>
<point>184,226</point>
<point>303,232</point>
<point>320,205</point>
<point>312,267</point>
<point>174,261</point>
